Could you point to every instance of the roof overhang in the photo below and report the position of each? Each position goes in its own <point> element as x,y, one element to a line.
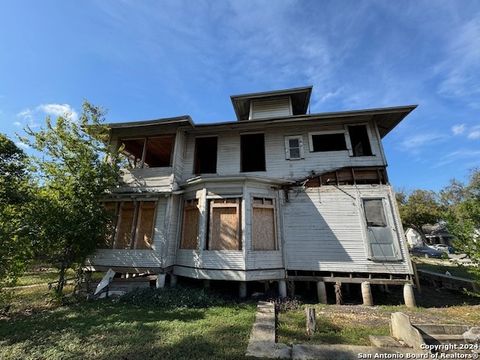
<point>177,120</point>
<point>300,99</point>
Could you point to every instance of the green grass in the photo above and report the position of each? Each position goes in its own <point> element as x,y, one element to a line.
<point>467,272</point>
<point>113,330</point>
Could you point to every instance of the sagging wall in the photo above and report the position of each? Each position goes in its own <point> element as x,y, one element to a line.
<point>154,258</point>
<point>277,166</point>
<point>243,264</point>
<point>325,230</point>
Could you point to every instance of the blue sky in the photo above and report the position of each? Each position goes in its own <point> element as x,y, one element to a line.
<point>152,59</point>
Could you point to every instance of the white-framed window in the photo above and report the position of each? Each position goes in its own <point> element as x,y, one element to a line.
<point>327,141</point>
<point>294,147</point>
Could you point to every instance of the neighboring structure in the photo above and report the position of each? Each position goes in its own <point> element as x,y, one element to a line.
<point>277,195</point>
<point>437,234</point>
<point>414,238</point>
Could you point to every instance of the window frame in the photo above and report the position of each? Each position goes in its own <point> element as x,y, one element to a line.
<point>328,132</point>
<point>144,149</point>
<point>210,204</point>
<point>301,147</point>
<point>349,143</point>
<point>190,203</point>
<point>134,227</point>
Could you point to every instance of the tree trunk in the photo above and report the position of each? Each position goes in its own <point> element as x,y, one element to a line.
<point>61,280</point>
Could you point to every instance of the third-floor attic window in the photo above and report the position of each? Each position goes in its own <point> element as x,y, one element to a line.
<point>149,152</point>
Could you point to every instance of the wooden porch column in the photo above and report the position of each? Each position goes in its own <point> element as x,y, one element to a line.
<point>321,292</point>
<point>367,294</point>
<point>282,288</point>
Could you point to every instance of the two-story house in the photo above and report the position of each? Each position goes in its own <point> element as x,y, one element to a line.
<point>277,195</point>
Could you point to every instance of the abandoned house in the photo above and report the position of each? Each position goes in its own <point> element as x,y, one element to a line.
<point>277,196</point>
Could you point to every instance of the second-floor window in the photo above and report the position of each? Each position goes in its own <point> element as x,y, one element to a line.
<point>327,141</point>
<point>252,152</point>
<point>294,147</point>
<point>149,152</point>
<point>360,140</point>
<point>205,155</point>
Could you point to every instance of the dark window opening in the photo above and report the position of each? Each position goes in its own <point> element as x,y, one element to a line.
<point>206,155</point>
<point>329,142</point>
<point>252,152</point>
<point>133,150</point>
<point>374,213</point>
<point>360,141</point>
<point>159,151</point>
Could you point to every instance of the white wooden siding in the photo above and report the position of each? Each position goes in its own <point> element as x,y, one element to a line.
<point>159,179</point>
<point>228,160</point>
<point>324,230</point>
<point>261,109</point>
<point>136,258</point>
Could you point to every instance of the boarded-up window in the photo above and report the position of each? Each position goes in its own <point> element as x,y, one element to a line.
<point>111,208</point>
<point>123,238</point>
<point>145,224</point>
<point>191,216</point>
<point>263,224</point>
<point>381,241</point>
<point>224,225</point>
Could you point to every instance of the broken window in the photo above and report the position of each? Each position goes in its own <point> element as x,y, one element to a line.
<point>381,243</point>
<point>360,141</point>
<point>135,225</point>
<point>263,224</point>
<point>252,148</point>
<point>294,147</point>
<point>327,142</point>
<point>206,155</point>
<point>158,151</point>
<point>133,151</point>
<point>224,224</point>
<point>149,152</point>
<point>374,212</point>
<point>191,217</point>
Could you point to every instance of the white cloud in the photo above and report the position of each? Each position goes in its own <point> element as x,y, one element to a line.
<point>59,110</point>
<point>474,134</point>
<point>457,156</point>
<point>17,123</point>
<point>458,129</point>
<point>22,145</point>
<point>415,142</point>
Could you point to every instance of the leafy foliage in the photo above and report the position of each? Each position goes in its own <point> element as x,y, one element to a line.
<point>463,214</point>
<point>15,193</point>
<point>75,171</point>
<point>419,208</point>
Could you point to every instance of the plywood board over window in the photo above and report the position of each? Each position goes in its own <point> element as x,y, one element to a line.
<point>145,225</point>
<point>191,216</point>
<point>263,224</point>
<point>224,224</point>
<point>125,226</point>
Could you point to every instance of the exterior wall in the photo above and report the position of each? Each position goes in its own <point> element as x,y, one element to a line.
<point>262,109</point>
<point>325,230</point>
<point>277,166</point>
<point>152,179</point>
<point>145,258</point>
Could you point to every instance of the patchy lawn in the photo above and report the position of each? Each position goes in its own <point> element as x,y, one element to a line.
<point>442,266</point>
<point>107,329</point>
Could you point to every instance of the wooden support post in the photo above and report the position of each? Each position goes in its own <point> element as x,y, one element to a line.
<point>367,294</point>
<point>282,288</point>
<point>173,280</point>
<point>321,292</point>
<point>311,320</point>
<point>160,281</point>
<point>408,295</point>
<point>242,290</point>
<point>338,293</point>
<point>417,279</point>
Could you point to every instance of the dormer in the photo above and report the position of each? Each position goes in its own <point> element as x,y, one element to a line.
<point>272,104</point>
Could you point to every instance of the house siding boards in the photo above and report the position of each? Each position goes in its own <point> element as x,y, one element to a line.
<point>325,231</point>
<point>316,228</point>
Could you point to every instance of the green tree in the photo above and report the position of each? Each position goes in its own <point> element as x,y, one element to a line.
<point>419,208</point>
<point>76,169</point>
<point>463,214</point>
<point>14,199</point>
